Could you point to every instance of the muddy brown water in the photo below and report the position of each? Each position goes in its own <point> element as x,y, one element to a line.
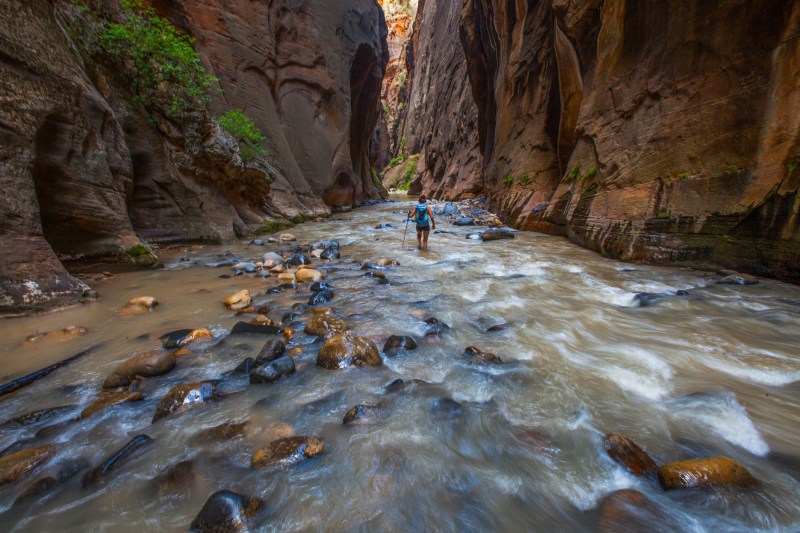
<point>714,372</point>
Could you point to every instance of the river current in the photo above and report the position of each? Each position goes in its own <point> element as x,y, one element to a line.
<point>713,371</point>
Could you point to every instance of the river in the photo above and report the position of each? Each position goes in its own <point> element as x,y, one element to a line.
<point>713,371</point>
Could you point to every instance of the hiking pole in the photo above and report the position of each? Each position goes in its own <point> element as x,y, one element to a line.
<point>404,233</point>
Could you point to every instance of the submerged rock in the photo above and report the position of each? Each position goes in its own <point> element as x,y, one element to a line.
<point>224,432</point>
<point>272,350</point>
<point>402,385</point>
<point>64,471</point>
<point>359,414</point>
<point>447,408</point>
<point>256,329</point>
<point>146,365</point>
<point>343,350</point>
<point>176,479</point>
<point>113,461</point>
<point>182,397</point>
<point>397,343</point>
<point>144,303</point>
<point>226,512</point>
<point>273,371</point>
<point>476,356</point>
<point>21,463</point>
<point>34,417</point>
<point>496,234</point>
<point>630,510</point>
<point>321,297</point>
<point>625,452</point>
<point>713,471</point>
<point>320,286</point>
<point>108,399</point>
<point>738,279</point>
<point>322,325</point>
<point>291,450</point>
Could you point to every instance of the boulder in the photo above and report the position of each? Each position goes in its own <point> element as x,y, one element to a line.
<point>712,471</point>
<point>496,234</point>
<point>273,371</point>
<point>344,350</point>
<point>388,262</point>
<point>287,277</point>
<point>625,452</point>
<point>256,329</point>
<point>34,417</point>
<point>238,301</point>
<point>320,286</point>
<point>298,260</point>
<point>477,356</point>
<point>309,275</point>
<point>287,237</point>
<point>738,279</point>
<point>113,461</point>
<point>397,343</point>
<point>224,432</point>
<point>176,479</point>
<point>358,414</point>
<point>196,335</point>
<point>466,221</point>
<point>290,450</point>
<point>226,512</point>
<point>182,397</point>
<point>272,259</point>
<point>246,267</point>
<point>630,510</point>
<point>271,351</point>
<point>330,254</point>
<point>109,399</point>
<point>145,302</point>
<point>146,365</point>
<point>321,297</point>
<point>325,245</point>
<point>322,325</point>
<point>172,340</point>
<point>19,464</point>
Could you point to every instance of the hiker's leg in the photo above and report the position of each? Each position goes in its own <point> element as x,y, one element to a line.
<point>425,240</point>
<point>419,239</point>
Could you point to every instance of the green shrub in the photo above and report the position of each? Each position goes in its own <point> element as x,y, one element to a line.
<point>251,140</point>
<point>590,175</point>
<point>683,176</point>
<point>408,175</point>
<point>574,173</point>
<point>524,179</point>
<point>509,181</point>
<point>396,161</point>
<point>159,53</point>
<point>375,180</point>
<point>792,166</point>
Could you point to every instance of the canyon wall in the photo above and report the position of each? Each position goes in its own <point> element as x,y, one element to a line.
<point>90,176</point>
<point>649,131</point>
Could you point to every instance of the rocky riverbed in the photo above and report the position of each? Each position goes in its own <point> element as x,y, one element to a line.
<point>334,378</point>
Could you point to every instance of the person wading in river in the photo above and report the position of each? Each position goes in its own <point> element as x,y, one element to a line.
<point>423,216</point>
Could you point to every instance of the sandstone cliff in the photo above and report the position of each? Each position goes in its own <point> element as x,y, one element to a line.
<point>88,173</point>
<point>648,130</point>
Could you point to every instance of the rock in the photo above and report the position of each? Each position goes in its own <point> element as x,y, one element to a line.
<point>375,274</point>
<point>496,234</point>
<point>625,452</point>
<point>271,259</point>
<point>173,339</point>
<point>279,269</point>
<point>146,365</point>
<point>630,510</point>
<point>287,277</point>
<point>245,267</point>
<point>271,351</point>
<point>226,512</point>
<point>317,254</point>
<point>298,260</point>
<point>287,237</point>
<point>397,343</point>
<point>224,432</point>
<point>288,333</point>
<point>182,397</point>
<point>309,275</point>
<point>321,297</point>
<point>385,225</point>
<point>477,356</point>
<point>34,417</point>
<point>109,399</point>
<point>145,302</point>
<point>476,236</point>
<point>274,371</point>
<point>65,470</point>
<point>291,450</point>
<point>325,245</point>
<point>256,329</point>
<point>196,335</point>
<point>320,286</point>
<point>358,414</point>
<point>238,301</point>
<point>648,299</point>
<point>295,352</point>
<point>738,279</point>
<point>257,242</point>
<point>176,479</point>
<point>498,327</point>
<point>466,221</point>
<point>343,350</point>
<point>21,463</point>
<point>713,471</point>
<point>113,461</point>
<point>401,385</point>
<point>387,262</point>
<point>330,254</point>
<point>283,287</point>
<point>447,408</point>
<point>245,366</point>
<point>68,332</point>
<point>322,325</point>
<point>183,352</point>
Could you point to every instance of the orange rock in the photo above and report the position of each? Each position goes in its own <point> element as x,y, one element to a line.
<point>343,350</point>
<point>719,471</point>
<point>628,454</point>
<point>19,464</point>
<point>289,450</point>
<point>109,399</point>
<point>197,335</point>
<point>238,301</point>
<point>183,352</point>
<point>288,333</point>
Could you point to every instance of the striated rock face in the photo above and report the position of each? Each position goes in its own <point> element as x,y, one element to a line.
<point>89,173</point>
<point>644,130</point>
<point>441,120</point>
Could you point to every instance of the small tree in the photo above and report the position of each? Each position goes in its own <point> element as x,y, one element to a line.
<point>251,140</point>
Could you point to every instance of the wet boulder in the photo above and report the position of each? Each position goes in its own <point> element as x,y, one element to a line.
<point>630,510</point>
<point>245,366</point>
<point>386,262</point>
<point>273,371</point>
<point>283,287</point>
<point>108,399</point>
<point>224,432</point>
<point>226,512</point>
<point>309,275</point>
<point>256,329</point>
<point>648,299</point>
<point>325,245</point>
<point>298,260</point>
<point>496,234</point>
<point>146,365</point>
<point>464,221</point>
<point>323,325</point>
<point>320,286</point>
<point>738,279</point>
<point>196,335</point>
<point>476,356</point>
<point>627,453</point>
<point>238,301</point>
<point>145,303</point>
<point>272,259</point>
<point>398,343</point>
<point>713,471</point>
<point>116,459</point>
<point>359,414</point>
<point>290,450</point>
<point>176,479</point>
<point>446,408</point>
<point>344,350</point>
<point>271,351</point>
<point>287,237</point>
<point>21,463</point>
<point>287,278</point>
<point>173,339</point>
<point>183,397</point>
<point>246,267</point>
<point>330,254</point>
<point>321,297</point>
<point>34,417</point>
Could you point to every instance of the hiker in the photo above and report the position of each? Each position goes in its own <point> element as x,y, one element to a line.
<point>423,216</point>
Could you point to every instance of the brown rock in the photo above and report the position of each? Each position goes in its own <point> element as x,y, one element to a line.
<point>226,512</point>
<point>19,464</point>
<point>322,325</point>
<point>183,397</point>
<point>291,450</point>
<point>630,510</point>
<point>224,432</point>
<point>238,301</point>
<point>713,471</point>
<point>109,399</point>
<point>306,275</point>
<point>479,357</point>
<point>197,335</point>
<point>387,262</point>
<point>343,350</point>
<point>176,479</point>
<point>628,454</point>
<point>182,352</point>
<point>146,365</point>
<point>145,302</point>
